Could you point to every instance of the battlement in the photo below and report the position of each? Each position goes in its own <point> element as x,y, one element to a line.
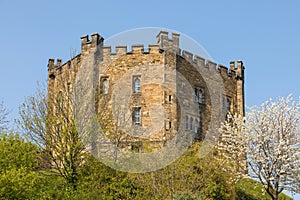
<point>87,44</point>
<point>135,48</point>
<point>166,43</point>
<point>233,71</point>
<point>52,64</point>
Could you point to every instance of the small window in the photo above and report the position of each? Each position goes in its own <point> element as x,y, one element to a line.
<point>226,104</point>
<point>136,148</point>
<point>137,84</point>
<point>198,95</point>
<point>196,126</point>
<point>136,116</point>
<point>170,124</point>
<point>186,123</point>
<point>170,98</point>
<point>69,86</point>
<point>191,124</point>
<point>52,76</point>
<point>105,86</point>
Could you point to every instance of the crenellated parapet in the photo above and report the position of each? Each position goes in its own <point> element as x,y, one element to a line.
<point>166,43</point>
<point>135,48</point>
<point>109,55</point>
<point>235,71</point>
<point>53,65</point>
<point>95,43</point>
<point>88,44</point>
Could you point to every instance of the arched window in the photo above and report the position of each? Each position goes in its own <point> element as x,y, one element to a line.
<point>191,124</point>
<point>136,84</point>
<point>186,123</point>
<point>105,86</point>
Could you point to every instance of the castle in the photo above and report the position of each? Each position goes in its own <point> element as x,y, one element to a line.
<point>144,96</point>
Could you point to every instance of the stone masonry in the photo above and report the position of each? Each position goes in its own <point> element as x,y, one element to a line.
<point>140,94</point>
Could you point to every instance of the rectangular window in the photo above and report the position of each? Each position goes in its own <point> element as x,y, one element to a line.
<point>69,86</point>
<point>196,125</point>
<point>168,125</point>
<point>186,123</point>
<point>191,124</point>
<point>136,116</point>
<point>198,95</point>
<point>228,104</point>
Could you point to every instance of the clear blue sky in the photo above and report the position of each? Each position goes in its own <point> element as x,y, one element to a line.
<point>264,34</point>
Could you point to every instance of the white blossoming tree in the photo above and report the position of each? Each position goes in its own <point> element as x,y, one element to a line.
<point>232,146</point>
<point>270,137</point>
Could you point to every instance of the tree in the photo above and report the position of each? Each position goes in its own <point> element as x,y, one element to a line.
<point>270,136</point>
<point>3,116</point>
<point>231,152</point>
<point>231,143</point>
<point>189,177</point>
<point>18,162</point>
<point>49,123</point>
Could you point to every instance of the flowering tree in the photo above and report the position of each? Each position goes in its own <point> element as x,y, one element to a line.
<point>232,146</point>
<point>270,136</point>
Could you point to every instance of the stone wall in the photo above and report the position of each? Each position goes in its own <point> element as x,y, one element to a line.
<point>168,79</point>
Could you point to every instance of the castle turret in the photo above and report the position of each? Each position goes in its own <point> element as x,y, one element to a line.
<point>168,44</point>
<point>95,44</point>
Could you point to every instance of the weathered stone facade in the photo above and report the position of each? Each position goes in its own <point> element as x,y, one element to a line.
<point>140,94</point>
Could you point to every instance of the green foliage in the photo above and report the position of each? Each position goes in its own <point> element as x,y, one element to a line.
<point>16,153</point>
<point>188,178</point>
<point>19,183</point>
<point>18,160</point>
<point>183,196</point>
<point>107,183</point>
<point>248,189</point>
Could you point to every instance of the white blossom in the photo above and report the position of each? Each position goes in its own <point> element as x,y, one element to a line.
<point>270,137</point>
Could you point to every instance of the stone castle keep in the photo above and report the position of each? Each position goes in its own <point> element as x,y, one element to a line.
<point>145,95</point>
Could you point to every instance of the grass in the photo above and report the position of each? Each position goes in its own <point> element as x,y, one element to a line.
<point>248,189</point>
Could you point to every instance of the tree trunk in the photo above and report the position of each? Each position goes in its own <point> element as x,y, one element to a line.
<point>275,195</point>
